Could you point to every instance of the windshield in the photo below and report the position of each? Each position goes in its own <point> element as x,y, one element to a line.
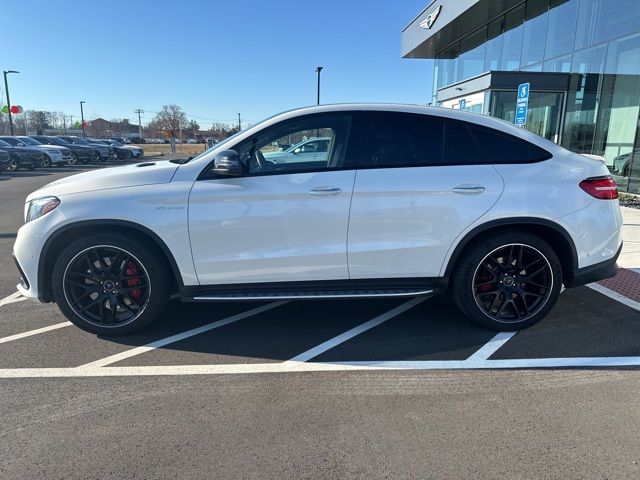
<point>10,140</point>
<point>78,141</point>
<point>29,141</point>
<point>4,144</point>
<point>59,141</point>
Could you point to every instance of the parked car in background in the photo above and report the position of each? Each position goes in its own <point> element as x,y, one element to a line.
<point>622,163</point>
<point>136,152</point>
<point>314,149</point>
<point>105,152</point>
<point>22,157</point>
<point>79,153</point>
<point>4,160</point>
<point>192,141</point>
<point>408,201</point>
<point>52,155</point>
<point>121,153</point>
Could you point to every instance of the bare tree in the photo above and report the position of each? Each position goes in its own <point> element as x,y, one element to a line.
<point>192,128</point>
<point>38,120</point>
<point>171,120</point>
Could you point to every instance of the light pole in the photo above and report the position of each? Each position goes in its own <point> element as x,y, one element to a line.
<point>84,134</point>
<point>6,89</point>
<point>318,70</point>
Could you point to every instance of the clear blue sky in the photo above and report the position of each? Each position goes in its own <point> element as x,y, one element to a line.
<point>213,58</point>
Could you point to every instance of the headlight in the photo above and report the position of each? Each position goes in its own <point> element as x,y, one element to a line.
<point>40,207</point>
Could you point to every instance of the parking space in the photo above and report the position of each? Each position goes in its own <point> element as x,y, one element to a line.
<point>367,386</point>
<point>587,328</point>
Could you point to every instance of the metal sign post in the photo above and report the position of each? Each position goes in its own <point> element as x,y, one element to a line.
<point>522,104</point>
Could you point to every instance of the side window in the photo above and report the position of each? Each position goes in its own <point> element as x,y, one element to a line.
<point>286,148</point>
<point>459,146</point>
<point>405,140</point>
<point>468,143</point>
<point>499,147</point>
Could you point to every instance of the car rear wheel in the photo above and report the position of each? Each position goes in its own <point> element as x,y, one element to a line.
<point>507,282</point>
<point>110,285</point>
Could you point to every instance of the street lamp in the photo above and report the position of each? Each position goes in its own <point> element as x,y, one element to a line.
<point>84,134</point>
<point>318,70</point>
<point>6,89</point>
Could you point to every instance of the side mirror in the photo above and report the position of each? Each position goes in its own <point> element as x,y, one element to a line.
<point>227,164</point>
<point>297,151</point>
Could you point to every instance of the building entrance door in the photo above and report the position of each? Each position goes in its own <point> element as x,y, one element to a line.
<point>544,116</point>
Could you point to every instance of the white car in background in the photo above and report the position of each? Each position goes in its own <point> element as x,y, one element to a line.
<point>409,201</point>
<point>307,150</point>
<point>53,155</point>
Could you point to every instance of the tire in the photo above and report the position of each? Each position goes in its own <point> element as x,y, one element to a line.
<point>13,165</point>
<point>508,281</point>
<point>46,162</point>
<point>74,159</point>
<point>128,275</point>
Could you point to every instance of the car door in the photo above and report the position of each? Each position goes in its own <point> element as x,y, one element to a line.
<point>277,222</point>
<point>420,185</point>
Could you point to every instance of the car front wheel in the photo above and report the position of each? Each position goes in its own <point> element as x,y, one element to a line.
<point>45,162</point>
<point>507,282</point>
<point>110,285</point>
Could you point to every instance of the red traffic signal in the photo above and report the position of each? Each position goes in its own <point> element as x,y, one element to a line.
<point>16,109</point>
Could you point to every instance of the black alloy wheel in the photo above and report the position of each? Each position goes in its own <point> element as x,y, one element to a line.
<point>107,286</point>
<point>13,165</point>
<point>512,283</point>
<point>45,162</point>
<point>507,280</point>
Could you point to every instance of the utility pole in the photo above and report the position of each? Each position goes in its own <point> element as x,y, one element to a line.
<point>318,70</point>
<point>84,133</point>
<point>64,123</point>
<point>6,89</point>
<point>239,123</point>
<point>139,112</point>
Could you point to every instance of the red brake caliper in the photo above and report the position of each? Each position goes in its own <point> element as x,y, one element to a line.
<point>132,271</point>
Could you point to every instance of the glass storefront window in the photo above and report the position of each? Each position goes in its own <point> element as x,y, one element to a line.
<point>471,62</point>
<point>561,29</point>
<point>603,20</point>
<point>535,32</point>
<point>558,65</point>
<point>512,43</point>
<point>590,60</point>
<point>543,117</point>
<point>494,45</point>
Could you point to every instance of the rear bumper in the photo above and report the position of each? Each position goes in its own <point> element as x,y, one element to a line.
<point>594,273</point>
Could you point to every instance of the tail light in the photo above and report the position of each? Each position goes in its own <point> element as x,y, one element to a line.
<point>602,188</point>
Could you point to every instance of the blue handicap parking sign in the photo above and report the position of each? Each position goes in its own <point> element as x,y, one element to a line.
<point>522,104</point>
<point>463,104</point>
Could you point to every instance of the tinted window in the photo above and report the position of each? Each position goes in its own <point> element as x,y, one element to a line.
<point>467,143</point>
<point>402,139</point>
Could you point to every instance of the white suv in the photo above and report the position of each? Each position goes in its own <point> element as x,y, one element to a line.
<point>409,200</point>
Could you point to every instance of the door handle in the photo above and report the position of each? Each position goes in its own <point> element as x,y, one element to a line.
<point>469,189</point>
<point>325,191</point>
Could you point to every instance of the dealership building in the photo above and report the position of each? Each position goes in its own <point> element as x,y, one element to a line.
<point>580,57</point>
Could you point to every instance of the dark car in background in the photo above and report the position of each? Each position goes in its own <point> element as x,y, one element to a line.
<point>22,157</point>
<point>105,152</point>
<point>4,160</point>
<point>136,152</point>
<point>120,152</point>
<point>622,163</point>
<point>79,153</point>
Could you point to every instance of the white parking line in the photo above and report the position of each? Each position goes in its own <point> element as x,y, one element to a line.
<point>296,367</point>
<point>30,333</point>
<point>615,295</point>
<point>491,347</point>
<point>180,336</point>
<point>13,298</point>
<point>323,347</point>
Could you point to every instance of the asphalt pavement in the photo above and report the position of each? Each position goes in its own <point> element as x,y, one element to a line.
<point>336,389</point>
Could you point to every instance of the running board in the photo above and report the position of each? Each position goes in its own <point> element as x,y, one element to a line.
<point>292,295</point>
